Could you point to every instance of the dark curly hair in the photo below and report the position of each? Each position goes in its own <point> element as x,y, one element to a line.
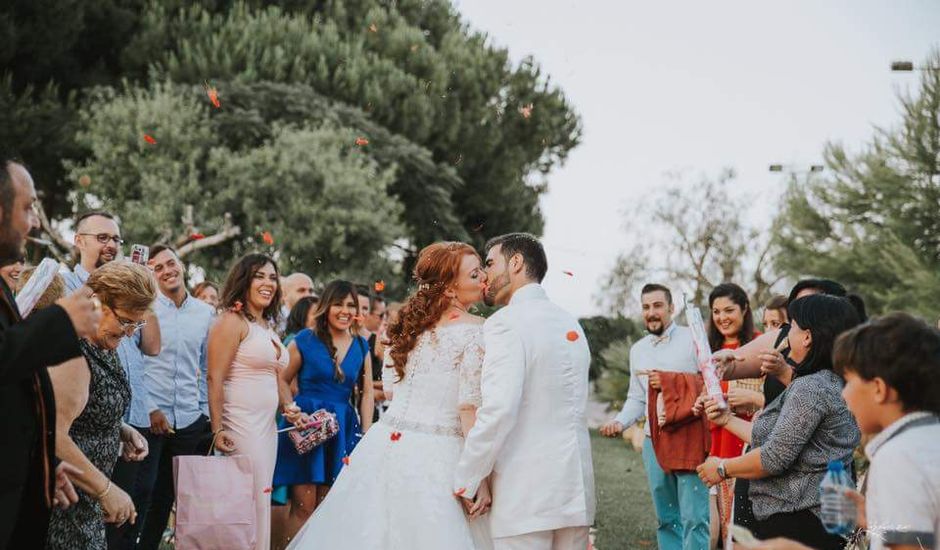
<point>238,283</point>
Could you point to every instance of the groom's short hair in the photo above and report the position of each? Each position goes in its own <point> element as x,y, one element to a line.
<point>533,254</point>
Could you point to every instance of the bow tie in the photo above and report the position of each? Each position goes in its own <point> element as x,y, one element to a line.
<point>664,339</point>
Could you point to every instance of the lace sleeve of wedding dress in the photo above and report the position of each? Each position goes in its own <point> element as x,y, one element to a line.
<point>471,367</point>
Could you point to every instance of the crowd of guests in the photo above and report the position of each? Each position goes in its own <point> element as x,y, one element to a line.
<point>795,397</point>
<point>121,367</point>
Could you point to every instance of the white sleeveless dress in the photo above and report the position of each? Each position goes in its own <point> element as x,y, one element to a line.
<point>396,491</point>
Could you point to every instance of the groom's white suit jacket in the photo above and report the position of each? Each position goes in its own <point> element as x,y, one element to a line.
<point>531,430</point>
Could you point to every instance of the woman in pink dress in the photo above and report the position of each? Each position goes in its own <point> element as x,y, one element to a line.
<point>245,357</point>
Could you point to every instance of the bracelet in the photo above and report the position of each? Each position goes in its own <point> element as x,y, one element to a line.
<point>104,493</point>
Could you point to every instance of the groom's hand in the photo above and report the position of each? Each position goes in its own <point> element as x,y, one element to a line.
<point>481,505</point>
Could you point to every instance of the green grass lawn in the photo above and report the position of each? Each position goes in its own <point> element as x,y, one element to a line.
<point>625,516</point>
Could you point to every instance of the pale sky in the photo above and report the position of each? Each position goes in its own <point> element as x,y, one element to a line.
<point>697,86</point>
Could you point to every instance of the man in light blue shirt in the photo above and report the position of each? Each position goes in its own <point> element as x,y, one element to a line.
<point>98,239</point>
<point>680,498</point>
<point>179,423</point>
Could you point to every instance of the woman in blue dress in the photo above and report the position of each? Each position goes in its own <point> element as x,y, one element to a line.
<point>326,360</point>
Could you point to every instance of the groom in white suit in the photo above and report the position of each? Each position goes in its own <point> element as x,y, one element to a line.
<point>530,435</point>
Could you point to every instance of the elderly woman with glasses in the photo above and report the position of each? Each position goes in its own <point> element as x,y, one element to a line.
<point>92,393</point>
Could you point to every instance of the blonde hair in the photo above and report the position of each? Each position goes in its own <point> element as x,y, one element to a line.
<point>51,295</point>
<point>124,285</point>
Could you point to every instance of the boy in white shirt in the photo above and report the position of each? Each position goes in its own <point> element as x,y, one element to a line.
<point>891,368</point>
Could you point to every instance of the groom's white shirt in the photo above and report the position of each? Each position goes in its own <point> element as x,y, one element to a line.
<point>531,430</point>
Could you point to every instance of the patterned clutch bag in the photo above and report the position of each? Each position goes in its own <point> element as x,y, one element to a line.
<point>321,427</point>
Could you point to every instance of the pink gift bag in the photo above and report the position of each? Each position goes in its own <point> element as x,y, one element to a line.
<point>215,502</point>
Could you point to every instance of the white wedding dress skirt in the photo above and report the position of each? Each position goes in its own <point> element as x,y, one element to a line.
<point>397,494</point>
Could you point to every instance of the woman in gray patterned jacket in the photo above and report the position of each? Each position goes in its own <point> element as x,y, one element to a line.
<point>796,435</point>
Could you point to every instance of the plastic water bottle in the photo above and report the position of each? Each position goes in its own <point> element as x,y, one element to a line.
<point>837,509</point>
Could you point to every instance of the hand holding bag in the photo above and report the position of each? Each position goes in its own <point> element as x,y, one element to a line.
<point>321,427</point>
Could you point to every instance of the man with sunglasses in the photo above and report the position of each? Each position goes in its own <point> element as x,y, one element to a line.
<point>98,240</point>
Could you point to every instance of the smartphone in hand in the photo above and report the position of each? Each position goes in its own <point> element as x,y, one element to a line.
<point>140,254</point>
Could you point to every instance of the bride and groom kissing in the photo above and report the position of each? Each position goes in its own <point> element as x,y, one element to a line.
<point>485,443</point>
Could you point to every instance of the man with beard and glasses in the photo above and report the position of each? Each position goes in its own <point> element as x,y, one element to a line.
<point>531,429</point>
<point>98,240</point>
<point>31,481</point>
<point>679,497</point>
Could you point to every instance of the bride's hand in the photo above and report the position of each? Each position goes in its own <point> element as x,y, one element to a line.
<point>481,505</point>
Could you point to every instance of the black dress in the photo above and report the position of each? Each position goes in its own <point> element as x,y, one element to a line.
<point>97,432</point>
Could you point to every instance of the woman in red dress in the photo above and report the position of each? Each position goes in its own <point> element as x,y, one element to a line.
<point>731,325</point>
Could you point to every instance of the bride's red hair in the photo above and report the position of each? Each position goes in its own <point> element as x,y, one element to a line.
<point>437,269</point>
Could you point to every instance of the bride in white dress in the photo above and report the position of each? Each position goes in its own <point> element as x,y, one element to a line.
<point>395,492</point>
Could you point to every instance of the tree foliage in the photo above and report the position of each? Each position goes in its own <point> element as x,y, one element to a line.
<point>874,225</point>
<point>694,238</point>
<point>460,139</point>
<point>329,217</point>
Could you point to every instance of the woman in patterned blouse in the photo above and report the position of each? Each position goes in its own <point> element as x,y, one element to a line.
<point>797,434</point>
<point>91,396</point>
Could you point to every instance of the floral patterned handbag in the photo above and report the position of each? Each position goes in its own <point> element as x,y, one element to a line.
<point>321,427</point>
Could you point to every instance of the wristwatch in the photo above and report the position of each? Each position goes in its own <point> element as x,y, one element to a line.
<point>721,469</point>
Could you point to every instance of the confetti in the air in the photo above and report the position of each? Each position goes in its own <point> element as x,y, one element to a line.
<point>360,141</point>
<point>373,28</point>
<point>149,139</point>
<point>379,286</point>
<point>346,460</point>
<point>85,180</point>
<point>396,436</point>
<point>237,306</point>
<point>267,238</point>
<point>568,273</point>
<point>526,110</point>
<point>572,335</point>
<point>197,236</point>
<point>267,490</point>
<point>213,94</point>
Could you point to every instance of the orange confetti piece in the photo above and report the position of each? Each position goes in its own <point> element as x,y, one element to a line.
<point>267,238</point>
<point>526,110</point>
<point>572,336</point>
<point>360,141</point>
<point>267,490</point>
<point>346,460</point>
<point>373,28</point>
<point>396,436</point>
<point>237,306</point>
<point>568,273</point>
<point>460,492</point>
<point>149,139</point>
<point>213,94</point>
<point>85,180</point>
<point>197,236</point>
<point>379,286</point>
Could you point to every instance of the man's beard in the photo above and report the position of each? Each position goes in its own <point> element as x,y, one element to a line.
<point>489,297</point>
<point>11,245</point>
<point>659,330</point>
<point>101,261</point>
